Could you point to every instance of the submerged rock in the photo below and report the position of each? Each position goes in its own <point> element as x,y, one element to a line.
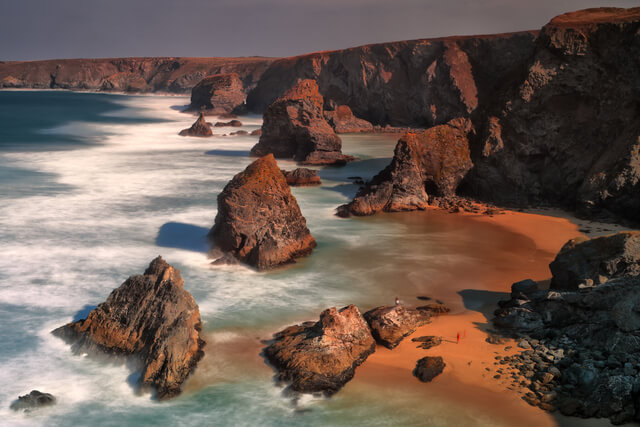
<point>150,316</point>
<point>219,94</point>
<point>391,324</point>
<point>342,120</point>
<point>259,221</point>
<point>294,127</point>
<point>428,368</point>
<point>199,128</point>
<point>33,400</point>
<point>232,123</point>
<point>322,356</point>
<point>302,177</point>
<point>432,162</point>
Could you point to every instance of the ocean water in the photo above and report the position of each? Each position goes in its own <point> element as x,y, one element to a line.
<point>94,186</point>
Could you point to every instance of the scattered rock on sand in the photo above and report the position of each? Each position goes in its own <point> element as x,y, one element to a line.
<point>427,342</point>
<point>391,324</point>
<point>434,308</point>
<point>428,368</point>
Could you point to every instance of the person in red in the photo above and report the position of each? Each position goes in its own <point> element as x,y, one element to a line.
<point>458,338</point>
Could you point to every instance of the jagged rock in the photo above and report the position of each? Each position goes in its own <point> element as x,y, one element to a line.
<point>199,128</point>
<point>390,324</point>
<point>322,356</point>
<point>259,221</point>
<point>427,342</point>
<point>432,162</point>
<point>583,259</point>
<point>294,127</point>
<point>232,123</point>
<point>342,120</point>
<point>435,307</point>
<point>525,287</point>
<point>239,133</point>
<point>221,93</point>
<point>150,316</point>
<point>33,400</point>
<point>302,176</point>
<point>428,368</point>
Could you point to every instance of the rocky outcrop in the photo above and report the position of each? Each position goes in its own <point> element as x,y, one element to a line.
<point>427,342</point>
<point>430,163</point>
<point>342,120</point>
<point>231,123</point>
<point>428,368</point>
<point>302,177</point>
<point>33,400</point>
<point>218,94</point>
<point>391,324</point>
<point>294,127</point>
<point>580,343</point>
<point>583,261</point>
<point>150,316</point>
<point>175,75</point>
<point>322,356</point>
<point>199,128</point>
<point>567,133</point>
<point>259,221</point>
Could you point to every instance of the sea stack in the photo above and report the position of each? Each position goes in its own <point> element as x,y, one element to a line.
<point>199,128</point>
<point>218,94</point>
<point>150,316</point>
<point>259,221</point>
<point>322,356</point>
<point>428,163</point>
<point>294,126</point>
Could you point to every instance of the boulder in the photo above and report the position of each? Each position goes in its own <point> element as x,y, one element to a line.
<point>33,400</point>
<point>596,259</point>
<point>150,316</point>
<point>256,132</point>
<point>221,93</point>
<point>199,128</point>
<point>429,163</point>
<point>259,221</point>
<point>525,287</point>
<point>427,342</point>
<point>302,177</point>
<point>322,356</point>
<point>239,133</point>
<point>294,127</point>
<point>232,123</point>
<point>428,368</point>
<point>342,120</point>
<point>391,324</point>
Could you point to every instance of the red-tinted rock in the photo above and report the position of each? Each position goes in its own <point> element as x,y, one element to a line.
<point>294,127</point>
<point>391,324</point>
<point>259,221</point>
<point>256,132</point>
<point>199,128</point>
<point>149,316</point>
<point>342,120</point>
<point>222,93</point>
<point>322,356</point>
<point>302,177</point>
<point>232,123</point>
<point>432,162</point>
<point>428,368</point>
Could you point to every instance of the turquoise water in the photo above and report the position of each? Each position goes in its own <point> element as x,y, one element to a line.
<point>94,186</point>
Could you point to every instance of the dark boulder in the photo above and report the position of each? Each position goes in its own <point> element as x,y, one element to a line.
<point>428,368</point>
<point>33,400</point>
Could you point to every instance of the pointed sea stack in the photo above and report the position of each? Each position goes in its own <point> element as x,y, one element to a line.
<point>259,221</point>
<point>294,126</point>
<point>199,128</point>
<point>322,356</point>
<point>150,316</point>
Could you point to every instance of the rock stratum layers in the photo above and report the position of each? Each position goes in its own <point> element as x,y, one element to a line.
<point>152,317</point>
<point>294,126</point>
<point>259,221</point>
<point>322,356</point>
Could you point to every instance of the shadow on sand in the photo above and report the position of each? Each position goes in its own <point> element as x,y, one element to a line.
<point>183,236</point>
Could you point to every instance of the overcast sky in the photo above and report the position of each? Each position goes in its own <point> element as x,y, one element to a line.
<point>46,29</point>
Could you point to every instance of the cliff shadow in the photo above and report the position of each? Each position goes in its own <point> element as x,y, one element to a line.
<point>228,153</point>
<point>183,236</point>
<point>482,301</point>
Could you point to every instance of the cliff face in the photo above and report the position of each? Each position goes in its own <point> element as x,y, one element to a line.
<point>417,83</point>
<point>568,133</point>
<point>176,75</point>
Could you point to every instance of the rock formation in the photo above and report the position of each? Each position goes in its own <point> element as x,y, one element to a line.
<point>432,162</point>
<point>294,127</point>
<point>428,368</point>
<point>33,400</point>
<point>322,356</point>
<point>581,343</point>
<point>150,316</point>
<point>427,342</point>
<point>342,120</point>
<point>199,128</point>
<point>391,324</point>
<point>302,177</point>
<point>259,221</point>
<point>218,94</point>
<point>231,123</point>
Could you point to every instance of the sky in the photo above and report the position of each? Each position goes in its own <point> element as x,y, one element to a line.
<point>52,29</point>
